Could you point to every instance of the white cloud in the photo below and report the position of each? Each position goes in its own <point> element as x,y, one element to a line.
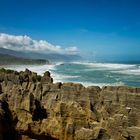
<point>71,50</point>
<point>25,43</point>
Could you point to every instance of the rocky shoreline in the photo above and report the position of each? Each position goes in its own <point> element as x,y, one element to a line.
<point>33,107</point>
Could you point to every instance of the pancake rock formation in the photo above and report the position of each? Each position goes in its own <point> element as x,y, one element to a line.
<point>33,107</point>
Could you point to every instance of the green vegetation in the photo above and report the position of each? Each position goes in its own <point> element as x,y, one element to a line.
<point>9,60</point>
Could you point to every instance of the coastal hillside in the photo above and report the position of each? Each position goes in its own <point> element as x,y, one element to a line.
<point>6,59</point>
<point>33,107</point>
<point>12,52</point>
<point>38,55</point>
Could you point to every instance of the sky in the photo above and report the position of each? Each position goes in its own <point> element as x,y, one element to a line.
<point>99,29</point>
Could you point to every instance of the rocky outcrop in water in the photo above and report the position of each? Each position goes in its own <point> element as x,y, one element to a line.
<point>33,107</point>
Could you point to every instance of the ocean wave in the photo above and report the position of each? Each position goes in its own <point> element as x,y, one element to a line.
<point>88,72</point>
<point>40,69</point>
<point>128,72</point>
<point>87,84</point>
<point>62,78</point>
<point>58,63</point>
<point>106,65</point>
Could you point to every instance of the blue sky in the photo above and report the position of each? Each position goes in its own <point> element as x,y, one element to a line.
<point>110,29</point>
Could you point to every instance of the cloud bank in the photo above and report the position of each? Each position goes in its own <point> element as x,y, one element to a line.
<point>25,43</point>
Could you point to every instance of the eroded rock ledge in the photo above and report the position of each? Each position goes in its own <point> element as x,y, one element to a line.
<point>33,107</point>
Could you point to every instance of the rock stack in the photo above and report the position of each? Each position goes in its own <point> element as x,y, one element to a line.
<point>33,107</point>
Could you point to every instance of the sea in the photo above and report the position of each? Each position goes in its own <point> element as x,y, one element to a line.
<point>89,73</point>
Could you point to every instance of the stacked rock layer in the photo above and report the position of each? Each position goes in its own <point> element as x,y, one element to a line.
<point>33,107</point>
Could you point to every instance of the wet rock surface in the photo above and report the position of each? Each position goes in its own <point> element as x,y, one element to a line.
<point>33,107</point>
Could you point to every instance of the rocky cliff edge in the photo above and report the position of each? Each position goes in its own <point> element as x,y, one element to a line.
<point>33,107</point>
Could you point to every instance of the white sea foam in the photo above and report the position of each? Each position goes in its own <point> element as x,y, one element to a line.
<point>129,72</point>
<point>40,69</point>
<point>61,76</point>
<point>106,65</point>
<point>86,84</point>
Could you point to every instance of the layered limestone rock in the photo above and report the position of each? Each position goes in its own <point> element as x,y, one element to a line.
<point>33,107</point>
